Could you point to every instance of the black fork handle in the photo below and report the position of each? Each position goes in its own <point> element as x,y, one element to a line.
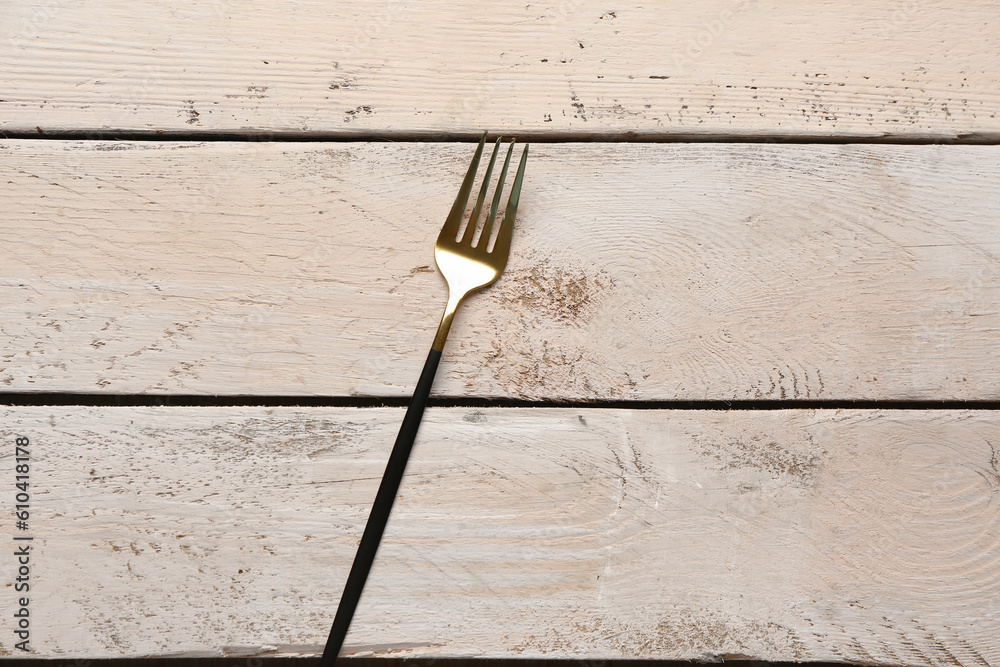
<point>380,511</point>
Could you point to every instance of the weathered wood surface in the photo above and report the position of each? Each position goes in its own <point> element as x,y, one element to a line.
<point>869,536</point>
<point>660,271</point>
<point>899,68</point>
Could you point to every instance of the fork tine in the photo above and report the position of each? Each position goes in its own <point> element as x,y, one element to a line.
<point>488,227</point>
<point>474,219</point>
<point>502,244</point>
<point>454,220</point>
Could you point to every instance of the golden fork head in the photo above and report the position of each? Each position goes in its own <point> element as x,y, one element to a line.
<point>469,263</point>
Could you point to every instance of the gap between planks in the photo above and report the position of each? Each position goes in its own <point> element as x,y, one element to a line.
<point>529,136</point>
<point>195,400</point>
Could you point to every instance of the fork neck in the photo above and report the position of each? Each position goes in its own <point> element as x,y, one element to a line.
<point>449,314</point>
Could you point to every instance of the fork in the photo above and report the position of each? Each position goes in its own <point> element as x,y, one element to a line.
<point>467,264</point>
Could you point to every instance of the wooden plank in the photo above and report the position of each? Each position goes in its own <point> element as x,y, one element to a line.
<point>899,68</point>
<point>852,535</point>
<point>638,272</point>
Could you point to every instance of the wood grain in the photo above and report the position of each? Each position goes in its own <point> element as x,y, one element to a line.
<point>858,535</point>
<point>901,68</point>
<point>638,271</point>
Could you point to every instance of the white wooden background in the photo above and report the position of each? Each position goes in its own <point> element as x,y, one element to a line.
<point>177,263</point>
<point>640,271</point>
<point>902,68</point>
